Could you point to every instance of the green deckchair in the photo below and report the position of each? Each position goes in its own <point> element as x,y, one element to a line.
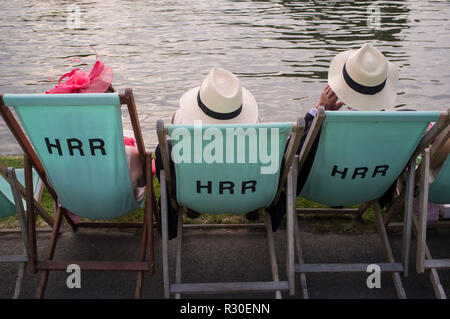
<point>222,169</point>
<point>11,203</point>
<point>359,155</point>
<point>437,190</point>
<point>75,143</point>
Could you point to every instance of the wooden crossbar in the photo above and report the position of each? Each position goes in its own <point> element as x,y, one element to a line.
<point>14,259</point>
<point>229,287</point>
<point>437,263</point>
<point>361,267</point>
<point>94,265</point>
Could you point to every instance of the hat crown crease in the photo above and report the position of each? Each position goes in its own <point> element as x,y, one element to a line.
<point>221,91</point>
<point>367,66</point>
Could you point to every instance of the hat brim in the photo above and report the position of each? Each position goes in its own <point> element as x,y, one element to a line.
<point>189,110</point>
<point>382,100</point>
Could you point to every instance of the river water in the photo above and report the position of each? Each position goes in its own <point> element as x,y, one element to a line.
<point>280,50</point>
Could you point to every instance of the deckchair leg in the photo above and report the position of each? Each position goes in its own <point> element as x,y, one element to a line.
<point>273,258</point>
<point>40,292</point>
<point>18,286</point>
<point>300,260</point>
<point>388,251</point>
<point>434,276</point>
<point>407,223</point>
<point>297,238</point>
<point>142,254</point>
<point>362,208</point>
<point>435,281</point>
<point>179,243</point>
<point>165,237</point>
<point>290,205</point>
<point>423,213</point>
<point>31,215</point>
<point>140,274</point>
<point>147,230</point>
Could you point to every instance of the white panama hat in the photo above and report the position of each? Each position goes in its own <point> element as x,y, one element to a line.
<point>364,79</point>
<point>219,100</point>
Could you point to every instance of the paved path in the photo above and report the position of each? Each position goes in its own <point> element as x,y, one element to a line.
<point>223,255</point>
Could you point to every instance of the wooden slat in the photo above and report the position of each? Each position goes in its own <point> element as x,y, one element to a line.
<point>111,225</point>
<point>13,259</point>
<point>222,226</point>
<point>430,225</point>
<point>437,263</point>
<point>327,211</point>
<point>94,265</point>
<point>229,287</point>
<point>309,268</point>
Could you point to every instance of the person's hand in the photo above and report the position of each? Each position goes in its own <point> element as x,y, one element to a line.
<point>328,99</point>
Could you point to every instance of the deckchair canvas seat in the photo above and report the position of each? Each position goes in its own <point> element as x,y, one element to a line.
<point>79,142</point>
<point>243,184</point>
<point>440,188</point>
<point>350,166</point>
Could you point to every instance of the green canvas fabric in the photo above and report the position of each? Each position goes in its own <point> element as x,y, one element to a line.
<point>79,140</point>
<point>360,154</point>
<point>232,184</point>
<point>439,191</point>
<point>7,205</point>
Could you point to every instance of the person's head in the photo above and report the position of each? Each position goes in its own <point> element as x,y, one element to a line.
<point>219,100</point>
<point>97,81</point>
<point>364,79</point>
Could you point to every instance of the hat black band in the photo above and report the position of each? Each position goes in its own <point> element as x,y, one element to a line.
<point>217,115</point>
<point>368,90</point>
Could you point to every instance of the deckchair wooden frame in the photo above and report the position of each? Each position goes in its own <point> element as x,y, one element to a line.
<point>45,266</point>
<point>424,259</point>
<point>37,197</point>
<point>10,175</point>
<point>391,266</point>
<point>178,288</point>
<point>433,134</point>
<point>438,136</point>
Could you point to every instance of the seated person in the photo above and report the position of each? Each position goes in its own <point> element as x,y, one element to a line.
<point>361,79</point>
<point>99,81</point>
<point>219,100</point>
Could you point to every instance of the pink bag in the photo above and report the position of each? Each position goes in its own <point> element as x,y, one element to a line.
<point>433,210</point>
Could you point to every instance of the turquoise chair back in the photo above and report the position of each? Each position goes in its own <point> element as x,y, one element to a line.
<point>439,191</point>
<point>360,154</point>
<point>7,205</point>
<point>228,168</point>
<point>79,141</point>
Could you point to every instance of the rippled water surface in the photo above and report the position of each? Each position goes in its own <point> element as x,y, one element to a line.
<point>279,49</point>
